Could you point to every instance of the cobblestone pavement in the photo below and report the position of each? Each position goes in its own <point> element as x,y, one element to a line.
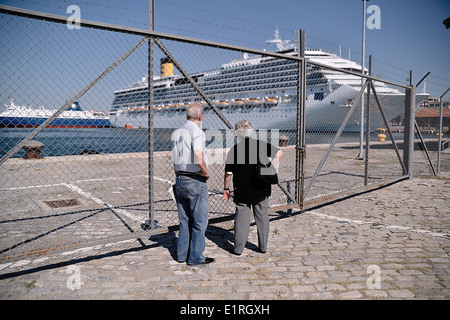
<point>392,243</point>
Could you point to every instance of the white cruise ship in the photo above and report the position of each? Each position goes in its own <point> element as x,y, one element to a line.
<point>261,89</point>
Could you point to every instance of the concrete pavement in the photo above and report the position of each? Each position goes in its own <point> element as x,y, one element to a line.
<point>392,243</point>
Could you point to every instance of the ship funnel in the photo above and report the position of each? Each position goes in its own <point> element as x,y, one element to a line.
<point>166,67</point>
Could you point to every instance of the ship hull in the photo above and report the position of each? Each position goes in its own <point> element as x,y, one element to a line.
<point>30,122</point>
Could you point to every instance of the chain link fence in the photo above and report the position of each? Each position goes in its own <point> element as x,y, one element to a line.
<point>432,133</point>
<point>343,156</point>
<point>86,163</point>
<point>63,183</point>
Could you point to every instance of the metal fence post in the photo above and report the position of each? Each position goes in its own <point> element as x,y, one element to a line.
<point>301,97</point>
<point>151,26</point>
<point>439,136</point>
<point>151,15</point>
<point>367,127</point>
<point>150,134</point>
<point>440,131</point>
<point>408,145</point>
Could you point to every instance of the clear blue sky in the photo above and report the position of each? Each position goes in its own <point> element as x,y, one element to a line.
<point>412,35</point>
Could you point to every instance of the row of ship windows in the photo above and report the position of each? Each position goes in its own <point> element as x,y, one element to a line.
<point>270,68</point>
<point>187,97</point>
<point>279,77</point>
<point>268,83</point>
<point>247,108</point>
<point>228,109</point>
<point>275,76</point>
<point>317,96</point>
<point>190,91</point>
<point>186,88</point>
<point>233,77</point>
<point>241,72</point>
<point>250,81</point>
<point>281,64</point>
<point>243,109</point>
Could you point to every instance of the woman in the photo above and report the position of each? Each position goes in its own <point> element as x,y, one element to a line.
<point>241,164</point>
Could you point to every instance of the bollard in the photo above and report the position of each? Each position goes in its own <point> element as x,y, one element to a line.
<point>283,141</point>
<point>381,137</point>
<point>33,149</point>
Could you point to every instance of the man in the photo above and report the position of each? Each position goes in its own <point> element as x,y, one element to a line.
<point>191,191</point>
<point>241,165</point>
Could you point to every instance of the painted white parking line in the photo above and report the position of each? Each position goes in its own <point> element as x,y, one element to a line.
<point>83,193</point>
<point>77,181</point>
<point>101,202</point>
<point>32,187</point>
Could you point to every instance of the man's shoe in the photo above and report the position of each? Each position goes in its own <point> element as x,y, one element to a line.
<point>206,261</point>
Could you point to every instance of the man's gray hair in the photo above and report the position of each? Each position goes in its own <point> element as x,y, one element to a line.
<point>194,111</point>
<point>243,129</point>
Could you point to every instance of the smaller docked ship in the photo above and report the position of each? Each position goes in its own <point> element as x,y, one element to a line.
<point>74,117</point>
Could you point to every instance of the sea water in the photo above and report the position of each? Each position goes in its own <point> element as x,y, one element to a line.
<point>65,142</point>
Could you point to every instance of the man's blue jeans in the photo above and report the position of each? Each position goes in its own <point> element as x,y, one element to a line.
<point>193,209</point>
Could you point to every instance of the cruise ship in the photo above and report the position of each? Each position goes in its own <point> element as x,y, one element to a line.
<point>261,89</point>
<point>15,116</point>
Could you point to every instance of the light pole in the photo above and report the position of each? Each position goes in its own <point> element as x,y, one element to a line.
<point>361,123</point>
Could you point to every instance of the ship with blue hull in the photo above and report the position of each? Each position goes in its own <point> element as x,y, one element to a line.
<point>263,90</point>
<point>15,116</point>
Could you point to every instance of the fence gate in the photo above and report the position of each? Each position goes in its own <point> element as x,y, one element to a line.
<point>86,166</point>
<point>343,157</point>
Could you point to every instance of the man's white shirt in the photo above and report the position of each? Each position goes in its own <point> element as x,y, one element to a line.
<point>185,140</point>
